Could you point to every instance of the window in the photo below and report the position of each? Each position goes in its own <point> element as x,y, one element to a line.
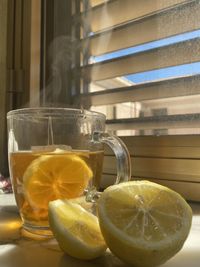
<point>142,56</point>
<point>140,66</point>
<point>138,62</point>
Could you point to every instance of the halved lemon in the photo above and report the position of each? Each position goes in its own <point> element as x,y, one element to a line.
<point>143,223</point>
<point>76,230</point>
<point>55,176</point>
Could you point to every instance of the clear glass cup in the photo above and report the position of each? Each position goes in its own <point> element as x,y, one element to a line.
<point>57,153</point>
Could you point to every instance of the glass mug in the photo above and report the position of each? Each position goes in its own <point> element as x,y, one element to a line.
<point>57,153</point>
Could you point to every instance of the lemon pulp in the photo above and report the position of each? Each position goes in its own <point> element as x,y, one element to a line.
<point>76,230</point>
<point>143,223</point>
<point>53,177</point>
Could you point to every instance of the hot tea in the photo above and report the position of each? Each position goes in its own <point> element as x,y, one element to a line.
<point>39,177</point>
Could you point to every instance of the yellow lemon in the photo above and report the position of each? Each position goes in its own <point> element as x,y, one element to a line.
<point>76,230</point>
<point>143,223</point>
<point>57,176</point>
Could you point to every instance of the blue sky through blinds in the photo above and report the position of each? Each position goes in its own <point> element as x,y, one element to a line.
<point>182,70</point>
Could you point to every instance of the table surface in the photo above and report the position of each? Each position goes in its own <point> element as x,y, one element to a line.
<point>17,250</point>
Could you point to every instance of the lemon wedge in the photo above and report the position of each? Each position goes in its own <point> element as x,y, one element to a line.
<point>55,176</point>
<point>76,230</point>
<point>143,223</point>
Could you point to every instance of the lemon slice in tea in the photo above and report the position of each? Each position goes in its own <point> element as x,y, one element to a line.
<point>53,177</point>
<point>143,223</point>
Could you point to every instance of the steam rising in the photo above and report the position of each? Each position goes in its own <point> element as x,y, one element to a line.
<point>62,57</point>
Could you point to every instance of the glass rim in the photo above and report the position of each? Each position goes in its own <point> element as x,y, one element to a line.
<point>68,112</point>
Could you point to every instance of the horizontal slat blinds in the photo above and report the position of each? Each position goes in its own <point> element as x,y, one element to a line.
<point>168,160</point>
<point>183,86</point>
<point>141,67</point>
<point>160,168</point>
<point>150,122</point>
<point>171,55</point>
<point>147,29</point>
<point>189,190</point>
<point>141,59</point>
<point>115,12</point>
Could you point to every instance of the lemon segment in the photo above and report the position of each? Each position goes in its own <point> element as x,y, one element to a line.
<point>143,223</point>
<point>76,230</point>
<point>57,176</point>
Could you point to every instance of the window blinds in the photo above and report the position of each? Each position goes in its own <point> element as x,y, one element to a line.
<point>140,64</point>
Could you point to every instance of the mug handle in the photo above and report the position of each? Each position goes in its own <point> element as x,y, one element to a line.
<point>123,160</point>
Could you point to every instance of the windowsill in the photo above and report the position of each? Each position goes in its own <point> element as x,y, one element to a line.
<point>17,251</point>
